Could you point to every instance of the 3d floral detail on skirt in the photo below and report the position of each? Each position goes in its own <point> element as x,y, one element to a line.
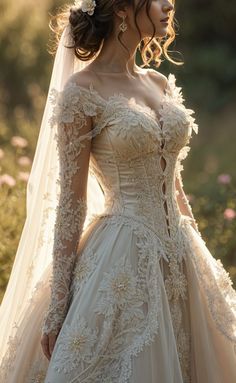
<point>119,290</point>
<point>75,346</point>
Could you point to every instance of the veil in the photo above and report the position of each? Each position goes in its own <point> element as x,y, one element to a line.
<point>35,248</point>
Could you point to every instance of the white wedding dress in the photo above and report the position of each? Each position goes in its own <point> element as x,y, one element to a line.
<point>138,294</point>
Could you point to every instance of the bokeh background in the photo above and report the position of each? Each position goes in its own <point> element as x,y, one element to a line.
<point>206,43</point>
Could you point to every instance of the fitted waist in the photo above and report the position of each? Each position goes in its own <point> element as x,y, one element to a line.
<point>164,222</point>
<point>171,246</point>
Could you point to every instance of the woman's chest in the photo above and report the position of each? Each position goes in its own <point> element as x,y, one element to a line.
<point>135,129</point>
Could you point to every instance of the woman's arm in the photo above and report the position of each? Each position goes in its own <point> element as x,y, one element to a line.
<point>74,154</point>
<point>183,202</point>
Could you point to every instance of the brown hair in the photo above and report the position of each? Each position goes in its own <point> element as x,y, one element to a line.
<point>90,31</point>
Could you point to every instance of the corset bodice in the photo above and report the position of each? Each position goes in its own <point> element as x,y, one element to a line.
<point>136,158</point>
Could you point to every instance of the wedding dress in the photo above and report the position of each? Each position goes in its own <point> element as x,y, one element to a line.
<point>138,296</point>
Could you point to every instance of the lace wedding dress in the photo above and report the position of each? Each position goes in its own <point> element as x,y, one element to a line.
<point>138,296</point>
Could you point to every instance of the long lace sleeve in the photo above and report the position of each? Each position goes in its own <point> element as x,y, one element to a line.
<point>71,116</point>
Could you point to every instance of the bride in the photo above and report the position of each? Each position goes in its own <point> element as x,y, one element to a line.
<point>112,281</point>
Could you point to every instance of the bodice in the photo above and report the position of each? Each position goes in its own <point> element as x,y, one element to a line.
<point>136,157</point>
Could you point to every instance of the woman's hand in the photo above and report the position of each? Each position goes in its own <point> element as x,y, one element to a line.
<point>48,342</point>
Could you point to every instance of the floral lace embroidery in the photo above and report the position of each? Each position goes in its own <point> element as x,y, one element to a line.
<point>176,288</point>
<point>184,353</point>
<point>128,302</point>
<point>37,372</point>
<point>85,266</point>
<point>7,362</point>
<point>39,377</point>
<point>120,292</point>
<point>70,118</point>
<point>75,346</point>
<point>15,343</point>
<point>223,305</point>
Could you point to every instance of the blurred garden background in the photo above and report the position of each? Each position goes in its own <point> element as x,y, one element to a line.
<point>206,41</point>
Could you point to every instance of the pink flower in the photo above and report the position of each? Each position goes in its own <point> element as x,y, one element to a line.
<point>2,154</point>
<point>229,214</point>
<point>224,178</point>
<point>23,176</point>
<point>19,142</point>
<point>24,161</point>
<point>8,180</point>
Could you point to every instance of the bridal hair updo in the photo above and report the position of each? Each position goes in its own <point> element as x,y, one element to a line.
<point>90,31</point>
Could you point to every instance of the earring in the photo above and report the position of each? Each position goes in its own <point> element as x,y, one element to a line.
<point>123,26</point>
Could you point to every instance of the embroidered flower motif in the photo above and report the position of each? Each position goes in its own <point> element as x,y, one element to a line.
<point>174,92</point>
<point>67,103</point>
<point>86,6</point>
<point>86,264</point>
<point>184,348</point>
<point>82,269</point>
<point>75,345</point>
<point>37,370</point>
<point>177,120</point>
<point>183,153</point>
<point>119,289</point>
<point>174,111</point>
<point>176,286</point>
<point>39,377</point>
<point>7,363</point>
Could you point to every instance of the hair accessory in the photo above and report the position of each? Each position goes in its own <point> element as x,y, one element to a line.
<point>86,6</point>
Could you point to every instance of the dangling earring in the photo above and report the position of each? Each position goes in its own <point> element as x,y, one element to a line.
<point>123,26</point>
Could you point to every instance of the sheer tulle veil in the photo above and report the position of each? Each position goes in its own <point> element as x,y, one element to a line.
<point>34,254</point>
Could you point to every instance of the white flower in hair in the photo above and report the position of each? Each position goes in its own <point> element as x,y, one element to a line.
<point>86,5</point>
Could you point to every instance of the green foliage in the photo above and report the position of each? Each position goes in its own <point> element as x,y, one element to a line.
<point>12,216</point>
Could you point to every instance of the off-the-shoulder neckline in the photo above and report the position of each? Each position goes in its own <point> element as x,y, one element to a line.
<point>120,95</point>
<point>139,71</point>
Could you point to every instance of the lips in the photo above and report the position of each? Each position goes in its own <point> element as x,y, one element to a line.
<point>166,19</point>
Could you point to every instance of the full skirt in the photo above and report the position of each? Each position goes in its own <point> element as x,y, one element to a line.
<point>142,310</point>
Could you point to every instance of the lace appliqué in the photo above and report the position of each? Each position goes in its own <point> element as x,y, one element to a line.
<point>128,303</point>
<point>121,295</point>
<point>37,372</point>
<point>177,291</point>
<point>75,347</point>
<point>7,363</point>
<point>222,306</point>
<point>70,103</point>
<point>69,119</point>
<point>16,342</point>
<point>84,268</point>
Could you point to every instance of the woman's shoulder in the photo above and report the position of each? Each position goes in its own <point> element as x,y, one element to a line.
<point>74,98</point>
<point>168,83</point>
<point>79,88</point>
<point>81,81</point>
<point>157,77</point>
